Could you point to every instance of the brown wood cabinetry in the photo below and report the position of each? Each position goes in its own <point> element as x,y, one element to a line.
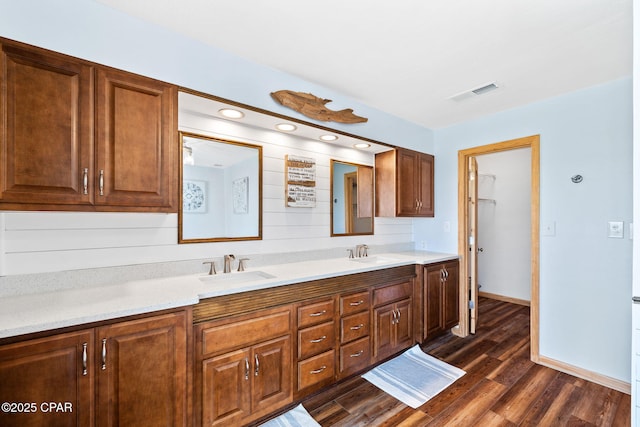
<point>126,373</point>
<point>392,319</point>
<point>243,367</point>
<point>316,340</point>
<point>404,183</point>
<point>52,369</point>
<point>441,298</point>
<point>355,342</point>
<point>79,136</point>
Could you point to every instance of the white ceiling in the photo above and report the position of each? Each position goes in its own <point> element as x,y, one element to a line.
<point>409,57</point>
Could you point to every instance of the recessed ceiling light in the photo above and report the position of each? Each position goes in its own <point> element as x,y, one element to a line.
<point>231,113</point>
<point>286,127</point>
<point>361,145</point>
<point>328,137</point>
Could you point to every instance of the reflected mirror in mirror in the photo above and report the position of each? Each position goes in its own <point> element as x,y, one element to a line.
<point>221,192</point>
<point>351,199</point>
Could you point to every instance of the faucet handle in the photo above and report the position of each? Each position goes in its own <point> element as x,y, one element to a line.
<point>365,248</point>
<point>212,269</point>
<point>241,263</point>
<point>350,252</point>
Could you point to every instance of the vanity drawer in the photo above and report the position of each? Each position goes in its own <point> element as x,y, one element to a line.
<point>354,327</point>
<point>314,313</point>
<point>354,356</point>
<point>316,339</point>
<point>392,293</point>
<point>354,303</point>
<point>316,369</point>
<point>245,330</point>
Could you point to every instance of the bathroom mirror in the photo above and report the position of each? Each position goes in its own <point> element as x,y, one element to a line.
<point>221,190</point>
<point>351,199</point>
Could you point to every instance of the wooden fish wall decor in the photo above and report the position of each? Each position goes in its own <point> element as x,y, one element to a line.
<point>314,107</point>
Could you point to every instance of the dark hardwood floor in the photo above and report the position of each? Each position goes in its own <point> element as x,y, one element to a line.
<point>502,387</point>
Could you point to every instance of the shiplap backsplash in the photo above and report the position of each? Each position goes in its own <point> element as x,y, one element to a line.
<point>40,242</point>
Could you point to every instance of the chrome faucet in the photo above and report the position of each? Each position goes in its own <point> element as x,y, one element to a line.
<point>227,263</point>
<point>361,251</point>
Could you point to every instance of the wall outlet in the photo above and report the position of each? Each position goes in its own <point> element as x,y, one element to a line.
<point>423,244</point>
<point>616,229</point>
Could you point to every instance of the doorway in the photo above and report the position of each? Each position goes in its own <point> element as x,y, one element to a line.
<point>466,243</point>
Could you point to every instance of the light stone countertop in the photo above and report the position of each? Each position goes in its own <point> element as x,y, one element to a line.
<point>23,314</point>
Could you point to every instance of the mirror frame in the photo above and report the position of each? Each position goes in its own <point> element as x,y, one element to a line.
<point>357,165</point>
<point>181,239</point>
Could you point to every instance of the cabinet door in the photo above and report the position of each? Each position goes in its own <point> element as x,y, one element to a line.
<point>272,369</point>
<point>136,141</point>
<point>142,368</point>
<point>46,127</point>
<point>424,179</point>
<point>383,340</point>
<point>226,388</point>
<point>402,329</point>
<point>53,369</point>
<point>450,310</point>
<point>407,185</point>
<point>432,301</point>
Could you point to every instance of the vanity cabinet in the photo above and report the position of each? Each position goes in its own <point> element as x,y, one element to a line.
<point>441,298</point>
<point>355,342</point>
<point>404,184</point>
<point>79,136</point>
<point>127,373</point>
<point>392,319</point>
<point>316,340</point>
<point>243,367</point>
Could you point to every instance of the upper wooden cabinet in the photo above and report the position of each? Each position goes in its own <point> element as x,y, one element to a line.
<point>404,183</point>
<point>79,136</point>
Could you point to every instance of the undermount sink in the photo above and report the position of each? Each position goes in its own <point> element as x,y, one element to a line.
<point>237,277</point>
<point>375,260</point>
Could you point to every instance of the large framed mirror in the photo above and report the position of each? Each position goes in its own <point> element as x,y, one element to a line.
<point>351,199</point>
<point>221,190</point>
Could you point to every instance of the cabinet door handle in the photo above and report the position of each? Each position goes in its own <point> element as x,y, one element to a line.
<point>101,182</point>
<point>85,181</point>
<point>417,204</point>
<point>319,313</point>
<point>317,371</point>
<point>84,358</point>
<point>358,354</point>
<point>399,315</point>
<point>257,363</point>
<point>246,368</point>
<point>322,338</point>
<point>355,304</point>
<point>104,354</point>
<point>393,320</point>
<point>356,328</point>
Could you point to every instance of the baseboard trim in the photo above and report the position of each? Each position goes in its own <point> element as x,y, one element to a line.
<point>603,380</point>
<point>503,298</point>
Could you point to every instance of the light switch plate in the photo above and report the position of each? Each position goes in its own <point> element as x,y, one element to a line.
<point>616,229</point>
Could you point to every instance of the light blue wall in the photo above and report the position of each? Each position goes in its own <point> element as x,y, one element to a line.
<point>90,30</point>
<point>585,277</point>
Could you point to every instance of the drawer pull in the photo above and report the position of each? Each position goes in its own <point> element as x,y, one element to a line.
<point>322,338</point>
<point>356,328</point>
<point>319,313</point>
<point>358,354</point>
<point>104,354</point>
<point>84,358</point>
<point>355,304</point>
<point>317,371</point>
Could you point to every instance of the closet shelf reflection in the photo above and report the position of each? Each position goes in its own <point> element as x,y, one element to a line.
<point>480,199</point>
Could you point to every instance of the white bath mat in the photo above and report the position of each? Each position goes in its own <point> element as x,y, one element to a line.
<point>297,417</point>
<point>413,377</point>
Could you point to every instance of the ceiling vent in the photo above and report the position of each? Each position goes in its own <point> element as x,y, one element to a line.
<point>481,90</point>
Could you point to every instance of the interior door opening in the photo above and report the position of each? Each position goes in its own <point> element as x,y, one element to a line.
<point>467,227</point>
